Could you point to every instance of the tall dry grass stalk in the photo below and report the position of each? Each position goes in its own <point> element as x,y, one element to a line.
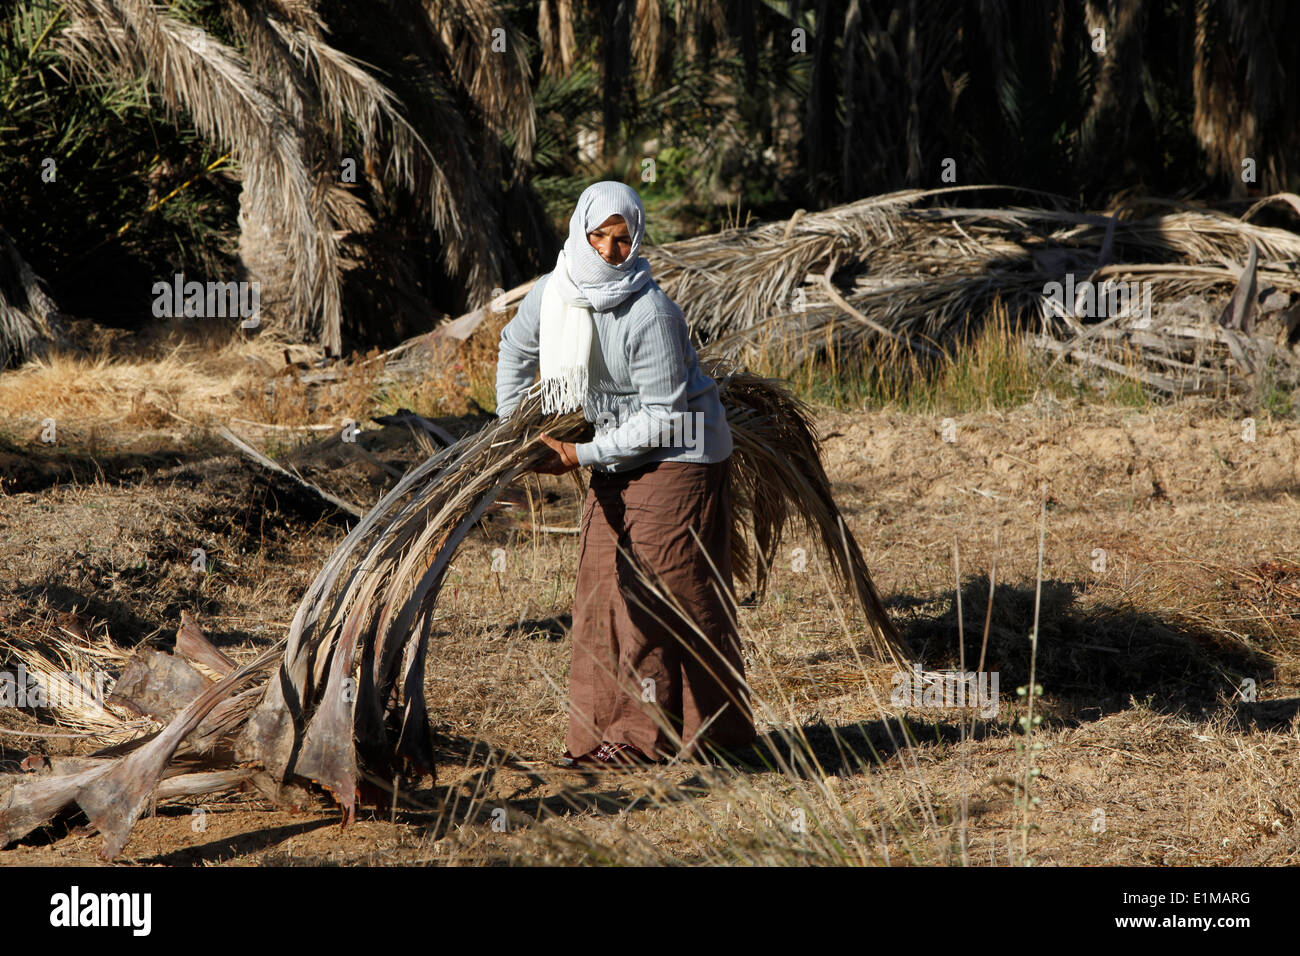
<point>1029,723</point>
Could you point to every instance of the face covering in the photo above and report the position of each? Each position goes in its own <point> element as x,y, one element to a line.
<point>581,283</point>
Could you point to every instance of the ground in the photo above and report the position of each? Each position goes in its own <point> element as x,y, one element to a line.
<point>1170,581</point>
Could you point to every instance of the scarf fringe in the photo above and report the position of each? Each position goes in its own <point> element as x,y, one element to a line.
<point>564,392</point>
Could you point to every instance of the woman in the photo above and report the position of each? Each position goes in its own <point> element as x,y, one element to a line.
<point>606,338</point>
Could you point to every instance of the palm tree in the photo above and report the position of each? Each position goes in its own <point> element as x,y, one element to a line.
<point>1079,97</point>
<point>699,76</point>
<point>1244,80</point>
<point>432,101</point>
<point>287,95</point>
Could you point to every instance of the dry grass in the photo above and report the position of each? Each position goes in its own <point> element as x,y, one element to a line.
<point>191,377</point>
<point>1139,661</point>
<point>124,391</point>
<point>192,382</point>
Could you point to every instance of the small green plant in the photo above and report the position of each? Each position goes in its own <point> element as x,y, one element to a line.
<point>1275,398</point>
<point>1025,799</point>
<point>1126,392</point>
<point>1028,747</point>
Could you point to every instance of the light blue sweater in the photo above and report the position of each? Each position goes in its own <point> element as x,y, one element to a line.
<point>653,405</point>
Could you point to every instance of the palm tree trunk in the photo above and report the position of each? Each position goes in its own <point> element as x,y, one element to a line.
<point>618,54</point>
<point>265,253</point>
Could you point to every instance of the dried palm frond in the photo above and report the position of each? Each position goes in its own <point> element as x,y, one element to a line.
<point>735,279</point>
<point>491,62</point>
<point>349,94</point>
<point>73,675</point>
<point>115,786</point>
<point>346,699</point>
<point>373,603</point>
<point>777,476</point>
<point>893,268</point>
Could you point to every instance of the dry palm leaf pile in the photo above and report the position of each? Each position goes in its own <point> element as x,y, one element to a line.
<point>904,268</point>
<point>340,702</point>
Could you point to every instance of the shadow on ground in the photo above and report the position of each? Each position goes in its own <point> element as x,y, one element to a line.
<point>1095,656</point>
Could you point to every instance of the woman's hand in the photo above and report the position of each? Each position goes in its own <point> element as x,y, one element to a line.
<point>564,459</point>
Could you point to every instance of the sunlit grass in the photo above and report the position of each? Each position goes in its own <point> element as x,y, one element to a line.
<point>993,369</point>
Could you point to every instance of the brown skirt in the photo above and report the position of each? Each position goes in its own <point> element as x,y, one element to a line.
<point>636,662</point>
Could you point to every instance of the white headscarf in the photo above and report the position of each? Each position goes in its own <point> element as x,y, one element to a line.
<point>582,282</point>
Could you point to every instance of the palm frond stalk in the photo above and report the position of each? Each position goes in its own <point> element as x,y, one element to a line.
<point>343,701</point>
